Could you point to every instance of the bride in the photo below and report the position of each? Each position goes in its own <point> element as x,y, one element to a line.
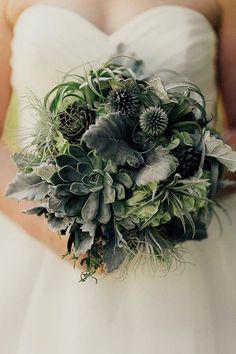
<point>43,308</point>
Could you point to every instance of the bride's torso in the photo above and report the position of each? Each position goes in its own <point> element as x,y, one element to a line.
<point>52,38</point>
<point>109,15</point>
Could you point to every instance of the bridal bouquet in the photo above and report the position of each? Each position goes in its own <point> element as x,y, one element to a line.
<point>122,166</point>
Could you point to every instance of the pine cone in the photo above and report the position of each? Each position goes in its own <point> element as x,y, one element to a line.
<point>153,121</point>
<point>189,160</point>
<point>74,121</point>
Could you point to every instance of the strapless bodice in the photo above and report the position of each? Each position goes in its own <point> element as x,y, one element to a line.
<point>50,41</point>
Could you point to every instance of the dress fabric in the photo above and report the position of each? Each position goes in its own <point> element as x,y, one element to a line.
<point>43,307</point>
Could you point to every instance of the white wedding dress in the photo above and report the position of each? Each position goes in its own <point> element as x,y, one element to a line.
<point>43,307</point>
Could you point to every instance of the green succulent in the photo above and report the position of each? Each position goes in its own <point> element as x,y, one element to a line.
<point>86,186</point>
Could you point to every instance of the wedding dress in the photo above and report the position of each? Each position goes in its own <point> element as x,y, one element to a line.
<point>43,307</point>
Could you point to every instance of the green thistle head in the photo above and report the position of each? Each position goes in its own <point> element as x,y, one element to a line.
<point>125,100</point>
<point>153,121</point>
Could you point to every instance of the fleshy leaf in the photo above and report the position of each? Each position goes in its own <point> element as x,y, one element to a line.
<point>91,206</point>
<point>159,166</point>
<point>110,137</point>
<point>124,178</point>
<point>220,151</point>
<point>27,187</point>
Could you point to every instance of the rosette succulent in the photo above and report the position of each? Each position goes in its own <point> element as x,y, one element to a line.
<point>75,120</point>
<point>86,186</point>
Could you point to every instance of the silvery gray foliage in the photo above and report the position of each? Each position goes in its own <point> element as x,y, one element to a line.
<point>111,138</point>
<point>159,165</point>
<point>114,253</point>
<point>84,243</point>
<point>27,187</point>
<point>58,224</point>
<point>45,171</point>
<point>222,152</point>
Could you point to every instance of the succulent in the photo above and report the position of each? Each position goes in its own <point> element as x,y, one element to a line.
<point>74,121</point>
<point>153,121</point>
<point>85,186</point>
<point>125,99</point>
<point>189,161</point>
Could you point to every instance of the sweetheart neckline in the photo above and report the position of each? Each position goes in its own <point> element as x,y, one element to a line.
<point>126,24</point>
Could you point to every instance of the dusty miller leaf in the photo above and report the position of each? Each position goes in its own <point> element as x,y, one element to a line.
<point>158,167</point>
<point>27,187</point>
<point>110,137</point>
<point>220,151</point>
<point>45,171</point>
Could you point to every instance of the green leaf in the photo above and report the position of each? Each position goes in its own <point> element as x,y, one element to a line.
<point>109,194</point>
<point>104,213</point>
<point>120,191</point>
<point>62,191</point>
<point>160,90</point>
<point>137,197</point>
<point>69,174</point>
<point>186,138</point>
<point>91,206</point>
<point>110,137</point>
<point>222,152</point>
<point>78,153</point>
<point>74,205</point>
<point>27,187</point>
<point>173,144</point>
<point>66,160</point>
<point>158,167</point>
<point>123,178</point>
<point>79,188</point>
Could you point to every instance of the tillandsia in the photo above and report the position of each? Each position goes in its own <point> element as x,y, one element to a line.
<point>123,166</point>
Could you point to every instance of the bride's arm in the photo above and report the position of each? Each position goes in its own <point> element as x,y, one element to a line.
<point>33,225</point>
<point>227,67</point>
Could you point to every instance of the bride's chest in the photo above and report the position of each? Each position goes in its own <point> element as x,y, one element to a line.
<point>50,41</point>
<point>109,15</point>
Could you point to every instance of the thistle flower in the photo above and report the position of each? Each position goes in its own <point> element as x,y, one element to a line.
<point>74,121</point>
<point>125,100</point>
<point>153,121</point>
